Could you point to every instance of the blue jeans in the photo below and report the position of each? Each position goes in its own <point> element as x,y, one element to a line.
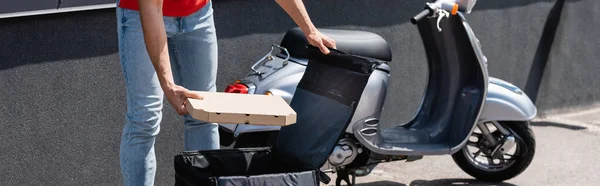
<point>192,46</point>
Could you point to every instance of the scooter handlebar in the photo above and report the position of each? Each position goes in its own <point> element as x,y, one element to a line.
<point>423,14</point>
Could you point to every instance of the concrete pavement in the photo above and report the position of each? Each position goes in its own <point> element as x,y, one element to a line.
<point>566,154</point>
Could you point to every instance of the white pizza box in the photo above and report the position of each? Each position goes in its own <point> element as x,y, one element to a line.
<point>233,108</point>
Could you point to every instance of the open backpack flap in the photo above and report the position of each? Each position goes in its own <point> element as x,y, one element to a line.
<point>325,100</point>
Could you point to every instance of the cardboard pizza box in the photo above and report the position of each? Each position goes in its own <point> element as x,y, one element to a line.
<point>232,108</point>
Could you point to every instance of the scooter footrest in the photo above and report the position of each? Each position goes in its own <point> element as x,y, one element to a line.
<point>400,141</point>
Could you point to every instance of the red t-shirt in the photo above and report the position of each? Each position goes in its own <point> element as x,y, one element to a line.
<point>172,8</point>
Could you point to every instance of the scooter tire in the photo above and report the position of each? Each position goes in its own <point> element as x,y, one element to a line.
<point>521,128</point>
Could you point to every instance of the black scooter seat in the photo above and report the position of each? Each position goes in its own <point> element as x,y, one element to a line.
<point>354,42</point>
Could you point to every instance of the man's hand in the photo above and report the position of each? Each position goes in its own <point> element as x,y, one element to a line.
<point>296,10</point>
<point>321,41</point>
<point>177,96</point>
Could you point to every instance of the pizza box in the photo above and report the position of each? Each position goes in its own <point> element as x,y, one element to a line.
<point>233,108</point>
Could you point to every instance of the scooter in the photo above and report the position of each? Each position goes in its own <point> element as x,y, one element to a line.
<point>481,121</point>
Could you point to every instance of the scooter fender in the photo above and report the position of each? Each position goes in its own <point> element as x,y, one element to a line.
<point>506,102</point>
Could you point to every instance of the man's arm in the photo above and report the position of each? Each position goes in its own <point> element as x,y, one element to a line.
<point>296,10</point>
<point>155,38</point>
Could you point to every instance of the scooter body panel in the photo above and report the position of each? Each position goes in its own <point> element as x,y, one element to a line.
<point>453,101</point>
<point>506,102</point>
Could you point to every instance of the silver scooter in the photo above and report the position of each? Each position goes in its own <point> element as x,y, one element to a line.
<point>483,122</point>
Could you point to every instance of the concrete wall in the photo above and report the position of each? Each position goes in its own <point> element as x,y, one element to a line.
<point>570,79</point>
<point>63,97</point>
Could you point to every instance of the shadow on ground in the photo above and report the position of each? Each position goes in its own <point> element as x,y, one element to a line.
<point>559,125</point>
<point>455,182</point>
<point>438,182</point>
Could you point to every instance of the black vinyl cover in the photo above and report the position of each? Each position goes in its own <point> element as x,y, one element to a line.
<point>245,166</point>
<point>355,42</point>
<point>203,167</point>
<point>324,101</point>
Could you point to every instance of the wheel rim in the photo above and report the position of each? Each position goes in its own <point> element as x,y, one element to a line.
<point>477,156</point>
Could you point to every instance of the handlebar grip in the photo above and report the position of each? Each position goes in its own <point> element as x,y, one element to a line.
<point>423,14</point>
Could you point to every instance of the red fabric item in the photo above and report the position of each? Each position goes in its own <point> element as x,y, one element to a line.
<point>172,8</point>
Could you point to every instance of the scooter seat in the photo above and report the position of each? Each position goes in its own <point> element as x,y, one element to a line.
<point>354,42</point>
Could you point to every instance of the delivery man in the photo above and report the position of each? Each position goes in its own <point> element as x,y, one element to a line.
<point>167,48</point>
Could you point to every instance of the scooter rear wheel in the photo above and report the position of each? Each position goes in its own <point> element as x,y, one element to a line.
<point>503,169</point>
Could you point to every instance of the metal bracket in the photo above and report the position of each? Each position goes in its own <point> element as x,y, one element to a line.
<point>438,13</point>
<point>269,57</point>
<point>344,175</point>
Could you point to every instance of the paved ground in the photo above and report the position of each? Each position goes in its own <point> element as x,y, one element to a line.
<point>566,154</point>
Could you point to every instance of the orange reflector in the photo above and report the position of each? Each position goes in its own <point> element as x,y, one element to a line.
<point>269,93</point>
<point>237,81</point>
<point>455,9</point>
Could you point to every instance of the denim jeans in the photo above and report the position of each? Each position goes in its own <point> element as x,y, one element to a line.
<point>192,47</point>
